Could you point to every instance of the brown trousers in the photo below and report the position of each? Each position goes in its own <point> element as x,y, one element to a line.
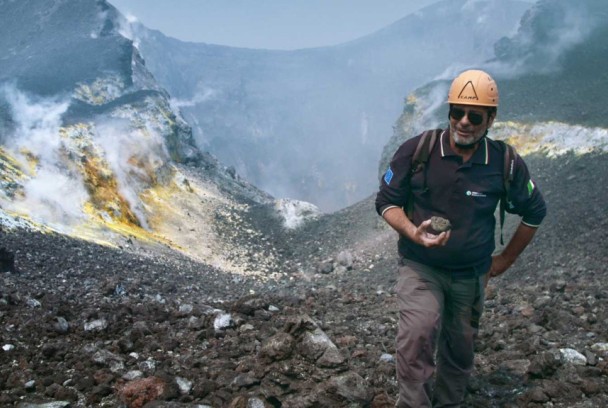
<point>438,315</point>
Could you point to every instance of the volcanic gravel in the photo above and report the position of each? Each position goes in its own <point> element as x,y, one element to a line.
<point>84,325</point>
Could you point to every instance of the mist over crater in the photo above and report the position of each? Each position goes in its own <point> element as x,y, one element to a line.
<point>310,124</point>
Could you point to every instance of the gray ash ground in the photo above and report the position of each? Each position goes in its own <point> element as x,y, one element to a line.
<point>83,325</point>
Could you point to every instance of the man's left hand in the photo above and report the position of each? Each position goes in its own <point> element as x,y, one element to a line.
<point>500,264</point>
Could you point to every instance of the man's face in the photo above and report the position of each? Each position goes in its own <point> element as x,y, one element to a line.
<point>468,124</point>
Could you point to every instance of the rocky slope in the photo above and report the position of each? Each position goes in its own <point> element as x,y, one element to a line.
<point>87,325</point>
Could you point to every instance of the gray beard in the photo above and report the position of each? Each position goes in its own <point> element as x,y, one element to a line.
<point>470,145</point>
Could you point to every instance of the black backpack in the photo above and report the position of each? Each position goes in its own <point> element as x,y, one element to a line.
<point>421,156</point>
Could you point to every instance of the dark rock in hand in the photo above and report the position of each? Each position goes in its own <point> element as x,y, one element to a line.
<point>440,224</point>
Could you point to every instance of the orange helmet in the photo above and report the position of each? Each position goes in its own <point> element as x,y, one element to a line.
<point>474,87</point>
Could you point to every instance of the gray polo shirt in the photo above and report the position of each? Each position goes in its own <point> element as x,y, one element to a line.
<point>465,193</point>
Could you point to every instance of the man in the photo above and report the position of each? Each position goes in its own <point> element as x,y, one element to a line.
<point>442,276</point>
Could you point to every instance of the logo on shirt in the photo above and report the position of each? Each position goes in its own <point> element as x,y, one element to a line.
<point>388,176</point>
<point>475,194</point>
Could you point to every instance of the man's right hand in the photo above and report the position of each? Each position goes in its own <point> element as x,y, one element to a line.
<point>397,219</point>
<point>422,236</point>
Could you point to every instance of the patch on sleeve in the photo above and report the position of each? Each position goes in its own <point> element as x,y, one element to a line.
<point>388,176</point>
<point>530,187</point>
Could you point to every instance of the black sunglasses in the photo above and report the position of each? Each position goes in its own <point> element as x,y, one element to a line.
<point>475,118</point>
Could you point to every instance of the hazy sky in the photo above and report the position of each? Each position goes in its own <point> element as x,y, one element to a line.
<point>273,24</point>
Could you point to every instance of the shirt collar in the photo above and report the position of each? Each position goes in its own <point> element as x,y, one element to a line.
<point>479,157</point>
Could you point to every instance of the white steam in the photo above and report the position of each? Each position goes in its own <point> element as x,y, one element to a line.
<point>203,95</point>
<point>295,213</point>
<point>54,198</point>
<point>134,155</point>
<point>53,190</point>
<point>50,193</point>
<point>126,28</point>
<point>35,121</point>
<point>563,27</point>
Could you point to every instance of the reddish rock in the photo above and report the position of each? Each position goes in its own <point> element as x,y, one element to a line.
<point>136,393</point>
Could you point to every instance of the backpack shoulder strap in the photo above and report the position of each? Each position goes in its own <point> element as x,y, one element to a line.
<point>419,160</point>
<point>424,148</point>
<point>510,155</point>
